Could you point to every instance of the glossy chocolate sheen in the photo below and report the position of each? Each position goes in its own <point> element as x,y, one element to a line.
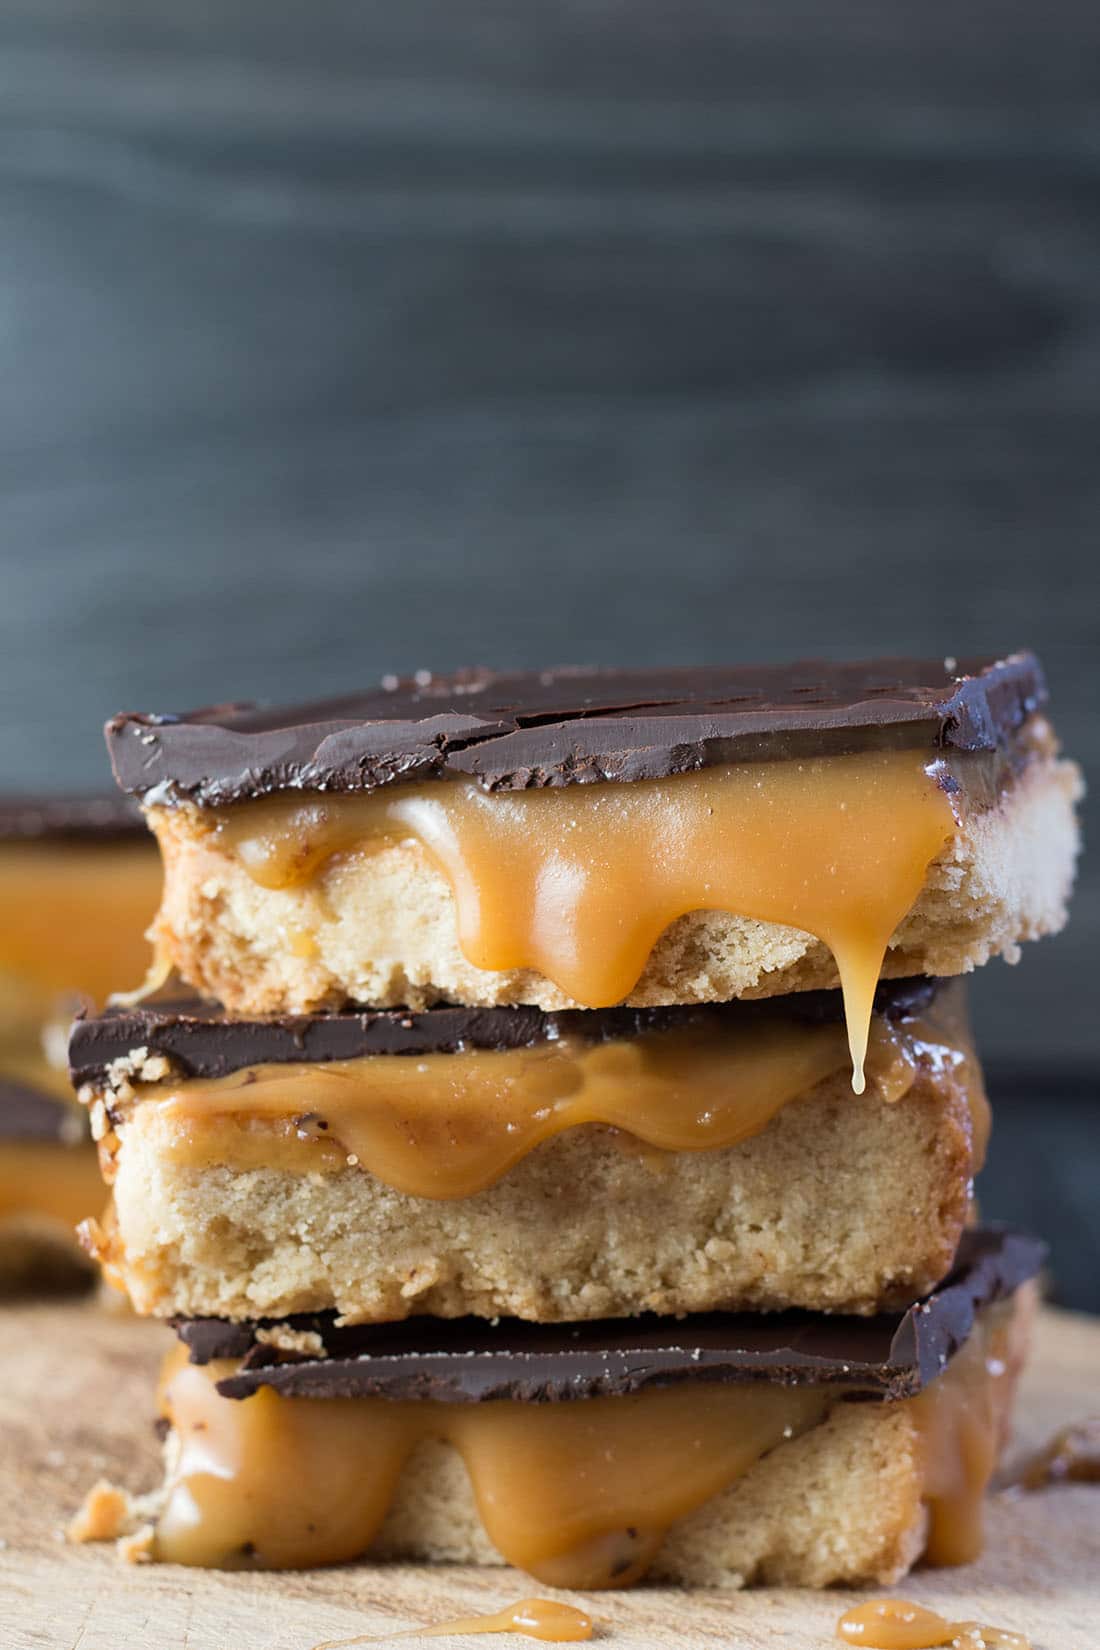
<point>30,1114</point>
<point>69,819</point>
<point>202,1040</point>
<point>560,727</point>
<point>468,1360</point>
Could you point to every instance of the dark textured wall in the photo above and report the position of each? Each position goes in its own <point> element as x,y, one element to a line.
<point>337,339</point>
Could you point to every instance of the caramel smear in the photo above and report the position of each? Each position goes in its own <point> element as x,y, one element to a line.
<point>75,917</point>
<point>534,1618</point>
<point>1071,1457</point>
<point>579,1495</point>
<point>579,882</point>
<point>894,1624</point>
<point>449,1125</point>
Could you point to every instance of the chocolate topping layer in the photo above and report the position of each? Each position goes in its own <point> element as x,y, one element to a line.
<point>69,818</point>
<point>569,726</point>
<point>468,1360</point>
<point>30,1114</point>
<point>202,1040</point>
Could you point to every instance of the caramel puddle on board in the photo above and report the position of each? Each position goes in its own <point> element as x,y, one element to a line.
<point>579,882</point>
<point>895,1624</point>
<point>534,1618</point>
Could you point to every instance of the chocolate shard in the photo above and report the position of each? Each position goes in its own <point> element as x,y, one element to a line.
<point>88,819</point>
<point>571,726</point>
<point>469,1361</point>
<point>202,1040</point>
<point>31,1114</point>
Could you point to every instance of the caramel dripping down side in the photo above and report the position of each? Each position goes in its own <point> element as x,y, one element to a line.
<point>895,1624</point>
<point>579,1495</point>
<point>450,1125</point>
<point>534,1618</point>
<point>964,1424</point>
<point>578,883</point>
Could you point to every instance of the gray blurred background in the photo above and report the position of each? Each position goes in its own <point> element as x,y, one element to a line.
<point>338,339</point>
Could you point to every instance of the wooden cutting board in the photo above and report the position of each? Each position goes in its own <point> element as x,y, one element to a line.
<point>75,1405</point>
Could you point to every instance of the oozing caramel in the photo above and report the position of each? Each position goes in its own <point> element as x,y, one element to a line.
<point>579,1493</point>
<point>75,917</point>
<point>448,1125</point>
<point>964,1424</point>
<point>535,1618</point>
<point>579,882</point>
<point>895,1624</point>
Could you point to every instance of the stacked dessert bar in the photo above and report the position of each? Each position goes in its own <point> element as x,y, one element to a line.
<point>79,884</point>
<point>567,1156</point>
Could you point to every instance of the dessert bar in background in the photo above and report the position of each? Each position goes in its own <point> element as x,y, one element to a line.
<point>79,884</point>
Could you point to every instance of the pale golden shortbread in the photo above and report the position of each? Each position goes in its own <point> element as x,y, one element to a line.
<point>841,1204</point>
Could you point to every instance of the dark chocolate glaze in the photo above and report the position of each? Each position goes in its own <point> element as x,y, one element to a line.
<point>202,1040</point>
<point>570,726</point>
<point>30,1114</point>
<point>467,1360</point>
<point>70,818</point>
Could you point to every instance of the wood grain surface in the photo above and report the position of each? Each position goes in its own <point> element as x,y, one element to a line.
<point>74,1405</point>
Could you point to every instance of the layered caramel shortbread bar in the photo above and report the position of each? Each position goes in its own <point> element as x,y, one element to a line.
<point>549,1166</point>
<point>713,1451</point>
<point>585,838</point>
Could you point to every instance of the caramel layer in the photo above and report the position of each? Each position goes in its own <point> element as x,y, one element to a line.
<point>579,882</point>
<point>75,917</point>
<point>39,1177</point>
<point>580,1494</point>
<point>449,1125</point>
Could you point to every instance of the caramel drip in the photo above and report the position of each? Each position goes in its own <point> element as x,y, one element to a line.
<point>963,1423</point>
<point>1071,1457</point>
<point>895,1624</point>
<point>579,882</point>
<point>44,1177</point>
<point>577,1494</point>
<point>535,1618</point>
<point>449,1125</point>
<point>75,917</point>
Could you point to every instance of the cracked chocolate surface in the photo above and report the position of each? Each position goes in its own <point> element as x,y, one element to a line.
<point>571,726</point>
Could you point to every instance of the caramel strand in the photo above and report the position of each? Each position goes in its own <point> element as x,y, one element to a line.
<point>579,882</point>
